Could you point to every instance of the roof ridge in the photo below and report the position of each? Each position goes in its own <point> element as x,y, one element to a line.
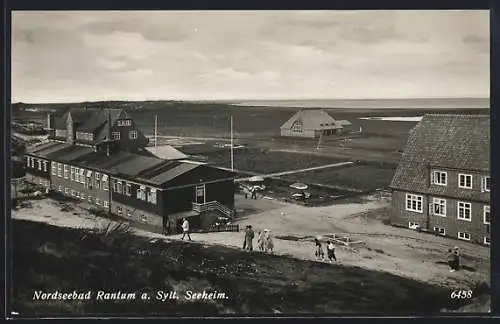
<point>457,115</point>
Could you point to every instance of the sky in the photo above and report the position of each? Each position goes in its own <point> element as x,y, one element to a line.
<point>207,55</point>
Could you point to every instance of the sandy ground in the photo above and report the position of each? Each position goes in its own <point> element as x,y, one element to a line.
<point>385,248</point>
<point>400,251</point>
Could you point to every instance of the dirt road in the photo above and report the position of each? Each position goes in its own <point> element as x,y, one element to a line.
<point>385,248</point>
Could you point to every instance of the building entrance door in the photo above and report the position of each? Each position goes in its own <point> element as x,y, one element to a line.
<point>200,194</point>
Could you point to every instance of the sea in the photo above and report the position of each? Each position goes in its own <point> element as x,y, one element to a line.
<point>459,103</point>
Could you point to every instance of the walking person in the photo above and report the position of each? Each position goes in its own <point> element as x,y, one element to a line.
<point>268,242</point>
<point>249,235</point>
<point>319,249</point>
<point>260,241</point>
<point>245,238</point>
<point>450,258</point>
<point>456,258</point>
<point>185,229</point>
<point>331,252</point>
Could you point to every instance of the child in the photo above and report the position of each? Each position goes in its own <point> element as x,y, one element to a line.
<point>260,241</point>
<point>319,250</point>
<point>331,251</point>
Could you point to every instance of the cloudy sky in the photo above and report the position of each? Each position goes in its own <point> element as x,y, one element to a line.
<point>80,56</point>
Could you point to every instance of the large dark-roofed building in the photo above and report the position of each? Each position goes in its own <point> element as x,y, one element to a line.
<point>442,184</point>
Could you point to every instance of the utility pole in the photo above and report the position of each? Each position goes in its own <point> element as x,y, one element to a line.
<point>156,134</point>
<point>232,146</point>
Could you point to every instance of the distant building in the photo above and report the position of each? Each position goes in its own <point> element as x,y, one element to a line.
<point>312,123</point>
<point>442,184</point>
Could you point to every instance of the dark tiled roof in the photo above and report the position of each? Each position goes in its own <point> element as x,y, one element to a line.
<point>47,148</point>
<point>459,142</point>
<point>69,153</point>
<point>90,119</point>
<point>174,171</point>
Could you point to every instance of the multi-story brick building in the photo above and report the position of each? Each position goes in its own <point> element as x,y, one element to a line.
<point>442,184</point>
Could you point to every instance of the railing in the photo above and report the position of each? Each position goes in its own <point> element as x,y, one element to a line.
<point>213,205</point>
<point>223,228</point>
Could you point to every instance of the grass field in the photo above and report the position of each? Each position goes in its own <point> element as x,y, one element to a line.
<point>361,177</point>
<point>69,259</point>
<point>263,161</point>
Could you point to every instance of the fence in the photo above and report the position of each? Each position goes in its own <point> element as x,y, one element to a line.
<point>222,228</point>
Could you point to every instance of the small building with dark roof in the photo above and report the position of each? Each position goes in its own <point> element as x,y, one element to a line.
<point>312,123</point>
<point>442,183</point>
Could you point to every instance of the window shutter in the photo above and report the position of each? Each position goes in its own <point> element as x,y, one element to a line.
<point>483,184</point>
<point>431,209</point>
<point>432,177</point>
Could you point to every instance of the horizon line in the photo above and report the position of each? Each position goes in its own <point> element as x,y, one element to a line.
<point>243,99</point>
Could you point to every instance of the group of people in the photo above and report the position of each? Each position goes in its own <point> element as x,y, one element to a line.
<point>264,240</point>
<point>330,250</point>
<point>454,259</point>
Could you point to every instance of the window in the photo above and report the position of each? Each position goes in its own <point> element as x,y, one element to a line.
<point>59,170</point>
<point>72,173</point>
<point>53,167</point>
<point>82,176</point>
<point>104,180</point>
<point>39,165</point>
<point>59,189</point>
<point>297,126</point>
<point>44,166</point>
<point>152,196</point>
<point>119,187</point>
<point>98,180</point>
<point>114,184</point>
<point>77,194</point>
<point>487,240</point>
<point>486,184</point>
<point>28,161</point>
<point>66,171</point>
<point>141,193</point>
<point>464,236</point>
<point>465,181</point>
<point>464,211</point>
<point>115,135</point>
<point>439,178</point>
<point>486,215</point>
<point>439,207</point>
<point>106,203</point>
<point>133,134</point>
<point>439,230</point>
<point>128,190</point>
<point>91,136</point>
<point>413,225</point>
<point>414,203</point>
<point>129,212</point>
<point>119,209</point>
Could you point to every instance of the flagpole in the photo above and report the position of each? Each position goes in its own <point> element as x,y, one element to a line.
<point>232,146</point>
<point>156,134</point>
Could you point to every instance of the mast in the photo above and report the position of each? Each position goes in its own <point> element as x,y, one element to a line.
<point>156,133</point>
<point>232,146</point>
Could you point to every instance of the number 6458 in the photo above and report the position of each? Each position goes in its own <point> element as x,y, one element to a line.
<point>461,294</point>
